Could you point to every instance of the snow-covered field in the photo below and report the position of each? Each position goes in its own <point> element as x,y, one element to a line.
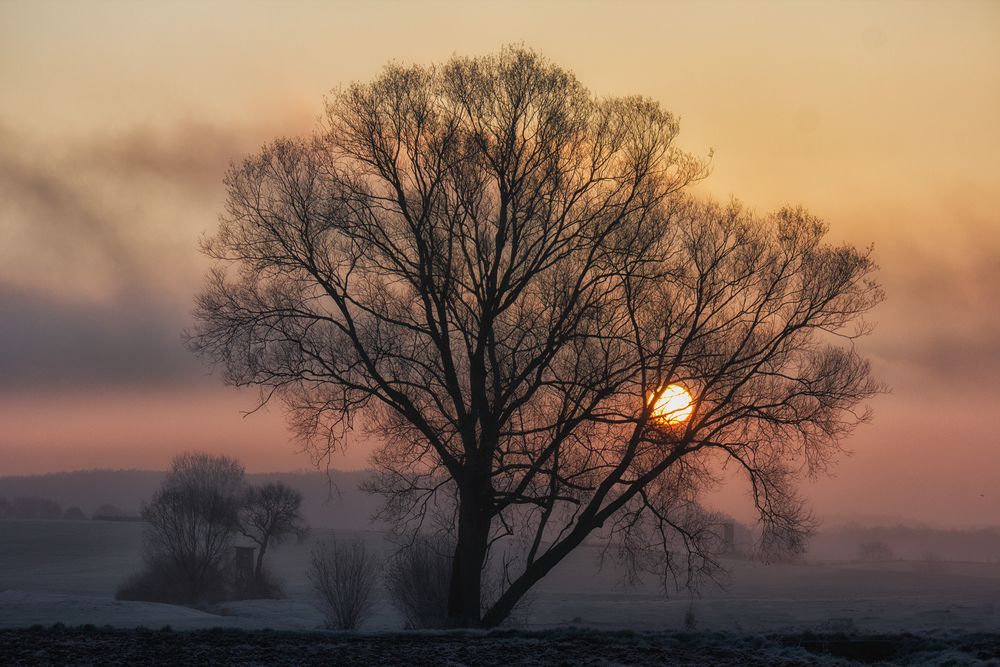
<point>66,572</point>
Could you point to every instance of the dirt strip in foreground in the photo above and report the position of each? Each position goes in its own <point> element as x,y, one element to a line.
<point>88,645</point>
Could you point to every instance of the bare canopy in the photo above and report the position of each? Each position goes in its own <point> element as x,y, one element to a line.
<point>496,274</point>
<point>270,514</point>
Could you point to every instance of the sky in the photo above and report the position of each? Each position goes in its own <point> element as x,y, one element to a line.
<point>118,120</point>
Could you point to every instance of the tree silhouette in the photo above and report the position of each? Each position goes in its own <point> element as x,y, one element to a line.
<point>269,514</point>
<point>191,521</point>
<point>497,274</point>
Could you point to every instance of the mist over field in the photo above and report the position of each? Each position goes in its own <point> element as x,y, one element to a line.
<point>68,571</point>
<point>333,501</point>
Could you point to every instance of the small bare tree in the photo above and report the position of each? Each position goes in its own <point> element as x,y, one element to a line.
<point>192,520</point>
<point>344,576</point>
<point>270,514</point>
<point>501,275</point>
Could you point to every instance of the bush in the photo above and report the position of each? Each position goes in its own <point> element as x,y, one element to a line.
<point>418,580</point>
<point>161,581</point>
<point>148,585</point>
<point>344,577</point>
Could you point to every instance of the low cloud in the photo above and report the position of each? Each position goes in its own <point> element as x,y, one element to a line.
<point>940,320</point>
<point>98,252</point>
<point>48,344</point>
<point>99,213</point>
<point>57,226</point>
<point>190,155</point>
<point>98,262</point>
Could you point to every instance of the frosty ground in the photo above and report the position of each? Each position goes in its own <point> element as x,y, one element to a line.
<point>109,646</point>
<point>67,572</point>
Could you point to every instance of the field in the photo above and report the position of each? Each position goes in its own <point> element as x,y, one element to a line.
<point>66,572</point>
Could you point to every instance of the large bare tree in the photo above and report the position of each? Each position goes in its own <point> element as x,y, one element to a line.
<point>497,275</point>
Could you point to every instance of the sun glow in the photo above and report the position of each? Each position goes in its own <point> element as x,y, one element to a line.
<point>674,405</point>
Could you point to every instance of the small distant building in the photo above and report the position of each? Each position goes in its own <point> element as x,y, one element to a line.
<point>243,566</point>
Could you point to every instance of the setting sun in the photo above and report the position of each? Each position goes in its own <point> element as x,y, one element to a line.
<point>674,405</point>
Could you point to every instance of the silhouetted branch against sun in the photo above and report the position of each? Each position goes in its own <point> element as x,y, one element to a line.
<point>503,276</point>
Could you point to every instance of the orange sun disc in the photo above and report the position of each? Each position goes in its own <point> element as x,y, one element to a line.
<point>674,405</point>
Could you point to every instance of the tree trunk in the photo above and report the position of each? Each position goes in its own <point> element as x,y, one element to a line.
<point>259,568</point>
<point>465,590</point>
<point>502,608</point>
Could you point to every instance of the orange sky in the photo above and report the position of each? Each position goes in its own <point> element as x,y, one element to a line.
<point>117,121</point>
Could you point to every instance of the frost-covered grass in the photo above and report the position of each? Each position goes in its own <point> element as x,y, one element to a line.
<point>110,646</point>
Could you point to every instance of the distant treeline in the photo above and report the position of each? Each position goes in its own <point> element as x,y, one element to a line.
<point>35,509</point>
<point>329,501</point>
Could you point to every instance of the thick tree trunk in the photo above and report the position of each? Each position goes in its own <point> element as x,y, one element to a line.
<point>502,608</point>
<point>465,590</point>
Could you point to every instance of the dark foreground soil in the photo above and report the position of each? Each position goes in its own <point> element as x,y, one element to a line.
<point>88,645</point>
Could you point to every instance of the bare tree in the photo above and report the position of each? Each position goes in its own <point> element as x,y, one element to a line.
<point>192,519</point>
<point>344,576</point>
<point>270,514</point>
<point>501,276</point>
<point>417,581</point>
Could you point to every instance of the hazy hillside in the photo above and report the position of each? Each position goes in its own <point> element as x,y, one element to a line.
<point>333,501</point>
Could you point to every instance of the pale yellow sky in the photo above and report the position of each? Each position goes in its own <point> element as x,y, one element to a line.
<point>118,119</point>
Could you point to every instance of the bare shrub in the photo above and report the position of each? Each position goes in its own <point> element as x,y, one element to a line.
<point>153,583</point>
<point>344,576</point>
<point>162,580</point>
<point>418,579</point>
